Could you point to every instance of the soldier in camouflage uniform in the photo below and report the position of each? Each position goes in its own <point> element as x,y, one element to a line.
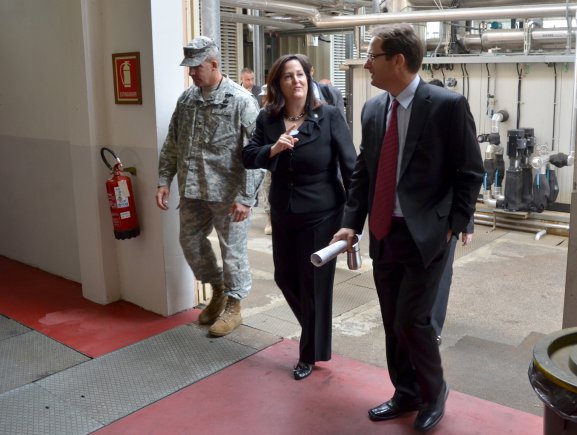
<point>209,126</point>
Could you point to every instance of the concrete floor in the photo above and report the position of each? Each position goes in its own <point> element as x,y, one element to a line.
<point>507,293</point>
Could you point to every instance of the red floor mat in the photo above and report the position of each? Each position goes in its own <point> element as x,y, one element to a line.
<point>55,307</point>
<point>258,396</point>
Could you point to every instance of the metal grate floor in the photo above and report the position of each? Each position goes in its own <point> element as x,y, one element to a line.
<point>27,356</point>
<point>93,394</point>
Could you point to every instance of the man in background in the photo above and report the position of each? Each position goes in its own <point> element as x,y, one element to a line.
<point>328,93</point>
<point>247,81</point>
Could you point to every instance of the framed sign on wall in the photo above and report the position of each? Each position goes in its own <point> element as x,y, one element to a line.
<point>126,69</point>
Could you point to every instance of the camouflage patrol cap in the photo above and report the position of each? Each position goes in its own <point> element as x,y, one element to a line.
<point>198,50</point>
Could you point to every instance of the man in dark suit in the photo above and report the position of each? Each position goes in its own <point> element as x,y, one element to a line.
<point>330,94</point>
<point>436,169</point>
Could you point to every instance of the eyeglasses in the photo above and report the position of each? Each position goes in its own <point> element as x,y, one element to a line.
<point>371,56</point>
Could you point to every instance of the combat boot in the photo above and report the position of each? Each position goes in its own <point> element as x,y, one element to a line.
<point>214,307</point>
<point>229,320</point>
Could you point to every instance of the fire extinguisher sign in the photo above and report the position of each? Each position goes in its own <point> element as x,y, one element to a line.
<point>126,69</point>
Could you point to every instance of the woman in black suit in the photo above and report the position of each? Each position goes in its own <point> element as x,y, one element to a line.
<point>307,147</point>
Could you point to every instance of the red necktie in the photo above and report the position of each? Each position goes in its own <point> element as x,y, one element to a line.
<point>384,197</point>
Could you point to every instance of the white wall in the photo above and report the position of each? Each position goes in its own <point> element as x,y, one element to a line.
<point>37,218</point>
<point>56,111</point>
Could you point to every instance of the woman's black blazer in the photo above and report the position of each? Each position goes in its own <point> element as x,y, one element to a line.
<point>315,175</point>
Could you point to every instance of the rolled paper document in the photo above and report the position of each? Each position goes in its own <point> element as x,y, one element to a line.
<point>323,256</point>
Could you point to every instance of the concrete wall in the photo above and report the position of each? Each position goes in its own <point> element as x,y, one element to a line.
<point>56,111</point>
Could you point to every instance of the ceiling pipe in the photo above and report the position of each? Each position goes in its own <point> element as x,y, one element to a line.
<point>210,20</point>
<point>537,11</point>
<point>337,4</point>
<point>511,39</point>
<point>259,21</point>
<point>275,6</point>
<point>474,3</point>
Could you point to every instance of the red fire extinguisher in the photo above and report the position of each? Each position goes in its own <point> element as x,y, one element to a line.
<point>121,199</point>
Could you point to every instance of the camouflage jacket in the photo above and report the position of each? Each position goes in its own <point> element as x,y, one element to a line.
<point>204,144</point>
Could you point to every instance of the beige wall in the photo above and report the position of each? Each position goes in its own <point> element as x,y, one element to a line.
<point>56,111</point>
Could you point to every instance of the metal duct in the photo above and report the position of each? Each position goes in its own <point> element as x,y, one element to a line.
<point>337,4</point>
<point>538,11</point>
<point>274,6</point>
<point>513,39</point>
<point>210,20</point>
<point>259,21</point>
<point>474,3</point>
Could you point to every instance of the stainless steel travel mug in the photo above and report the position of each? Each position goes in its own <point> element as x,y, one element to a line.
<point>354,260</point>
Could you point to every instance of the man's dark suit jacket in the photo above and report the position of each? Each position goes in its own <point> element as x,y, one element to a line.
<point>256,90</point>
<point>441,168</point>
<point>332,95</point>
<point>307,179</point>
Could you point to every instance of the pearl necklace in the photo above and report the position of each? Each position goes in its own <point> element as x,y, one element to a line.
<point>295,118</point>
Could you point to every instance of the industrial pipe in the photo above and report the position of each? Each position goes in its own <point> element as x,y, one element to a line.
<point>275,6</point>
<point>536,227</point>
<point>210,21</point>
<point>338,3</point>
<point>514,38</point>
<point>537,11</point>
<point>259,21</point>
<point>476,3</point>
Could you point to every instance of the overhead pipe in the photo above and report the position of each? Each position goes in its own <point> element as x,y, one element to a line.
<point>537,11</point>
<point>275,6</point>
<point>258,48</point>
<point>210,20</point>
<point>259,21</point>
<point>521,11</point>
<point>513,38</point>
<point>475,3</point>
<point>337,3</point>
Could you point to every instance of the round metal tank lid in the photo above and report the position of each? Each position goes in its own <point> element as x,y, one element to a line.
<point>555,355</point>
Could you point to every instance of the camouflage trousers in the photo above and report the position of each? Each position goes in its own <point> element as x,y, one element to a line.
<point>263,193</point>
<point>197,220</point>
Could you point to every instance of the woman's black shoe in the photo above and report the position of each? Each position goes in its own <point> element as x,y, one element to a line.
<point>302,370</point>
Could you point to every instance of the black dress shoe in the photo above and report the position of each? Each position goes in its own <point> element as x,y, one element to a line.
<point>431,413</point>
<point>302,370</point>
<point>392,409</point>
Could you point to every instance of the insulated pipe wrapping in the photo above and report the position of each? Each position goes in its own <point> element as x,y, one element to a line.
<point>259,21</point>
<point>514,38</point>
<point>475,3</point>
<point>538,11</point>
<point>210,20</point>
<point>275,6</point>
